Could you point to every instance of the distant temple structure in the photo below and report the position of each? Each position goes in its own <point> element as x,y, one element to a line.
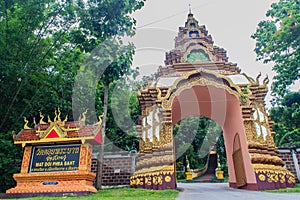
<point>198,80</point>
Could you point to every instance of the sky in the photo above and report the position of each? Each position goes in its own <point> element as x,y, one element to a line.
<point>230,22</point>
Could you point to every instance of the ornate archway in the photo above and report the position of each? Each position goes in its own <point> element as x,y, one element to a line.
<point>213,88</point>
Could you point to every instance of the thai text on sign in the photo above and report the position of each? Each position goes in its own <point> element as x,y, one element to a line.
<point>55,158</point>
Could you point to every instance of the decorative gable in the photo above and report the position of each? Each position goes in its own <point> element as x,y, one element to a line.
<point>54,132</point>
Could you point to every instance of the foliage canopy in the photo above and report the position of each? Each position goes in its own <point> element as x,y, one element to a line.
<point>287,118</point>
<point>277,40</point>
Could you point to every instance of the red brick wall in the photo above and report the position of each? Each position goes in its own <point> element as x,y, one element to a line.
<point>117,168</point>
<point>287,158</point>
<point>286,155</point>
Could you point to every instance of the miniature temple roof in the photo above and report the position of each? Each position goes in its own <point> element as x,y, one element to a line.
<point>59,131</point>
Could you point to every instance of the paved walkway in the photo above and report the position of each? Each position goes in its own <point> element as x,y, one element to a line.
<point>221,191</point>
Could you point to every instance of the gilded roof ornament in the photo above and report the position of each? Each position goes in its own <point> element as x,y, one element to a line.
<point>58,116</point>
<point>100,119</point>
<point>65,120</point>
<point>42,119</point>
<point>83,115</point>
<point>49,120</point>
<point>257,78</point>
<point>55,118</point>
<point>148,84</point>
<point>26,122</point>
<point>159,97</point>
<point>266,81</point>
<point>34,122</point>
<point>250,79</point>
<point>141,86</point>
<point>82,118</point>
<point>14,134</point>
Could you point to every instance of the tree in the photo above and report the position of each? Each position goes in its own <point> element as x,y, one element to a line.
<point>194,137</point>
<point>286,118</point>
<point>277,40</point>
<point>115,13</point>
<point>33,37</point>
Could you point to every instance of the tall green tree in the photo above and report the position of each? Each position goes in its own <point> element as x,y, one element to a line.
<point>277,40</point>
<point>117,22</point>
<point>287,118</point>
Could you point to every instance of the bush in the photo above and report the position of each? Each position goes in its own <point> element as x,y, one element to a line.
<point>10,161</point>
<point>180,175</point>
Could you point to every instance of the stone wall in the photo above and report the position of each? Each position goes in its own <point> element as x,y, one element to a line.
<point>286,154</point>
<point>117,167</point>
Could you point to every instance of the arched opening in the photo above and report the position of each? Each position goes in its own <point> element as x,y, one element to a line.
<point>224,108</point>
<point>199,147</point>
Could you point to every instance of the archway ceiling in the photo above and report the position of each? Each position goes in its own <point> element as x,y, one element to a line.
<point>208,101</point>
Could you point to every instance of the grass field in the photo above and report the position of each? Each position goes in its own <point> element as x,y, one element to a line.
<point>286,190</point>
<point>121,194</point>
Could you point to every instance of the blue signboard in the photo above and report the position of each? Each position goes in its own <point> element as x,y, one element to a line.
<point>56,158</point>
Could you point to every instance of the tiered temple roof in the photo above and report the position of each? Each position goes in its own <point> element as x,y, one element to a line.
<point>195,49</point>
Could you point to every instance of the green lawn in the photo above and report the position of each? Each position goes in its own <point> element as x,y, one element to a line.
<point>121,194</point>
<point>295,189</point>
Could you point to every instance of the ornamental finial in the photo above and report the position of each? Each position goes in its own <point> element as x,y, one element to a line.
<point>82,118</point>
<point>55,118</point>
<point>100,119</point>
<point>257,78</point>
<point>42,119</point>
<point>58,115</point>
<point>266,81</point>
<point>49,120</point>
<point>26,122</point>
<point>190,9</point>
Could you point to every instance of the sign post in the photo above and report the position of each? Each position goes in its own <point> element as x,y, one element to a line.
<point>57,159</point>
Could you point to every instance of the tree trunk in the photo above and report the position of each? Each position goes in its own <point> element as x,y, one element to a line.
<point>101,148</point>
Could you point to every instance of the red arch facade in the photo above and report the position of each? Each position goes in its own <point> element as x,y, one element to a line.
<point>224,108</point>
<point>216,89</point>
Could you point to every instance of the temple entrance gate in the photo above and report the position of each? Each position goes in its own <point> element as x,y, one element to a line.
<point>198,80</point>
